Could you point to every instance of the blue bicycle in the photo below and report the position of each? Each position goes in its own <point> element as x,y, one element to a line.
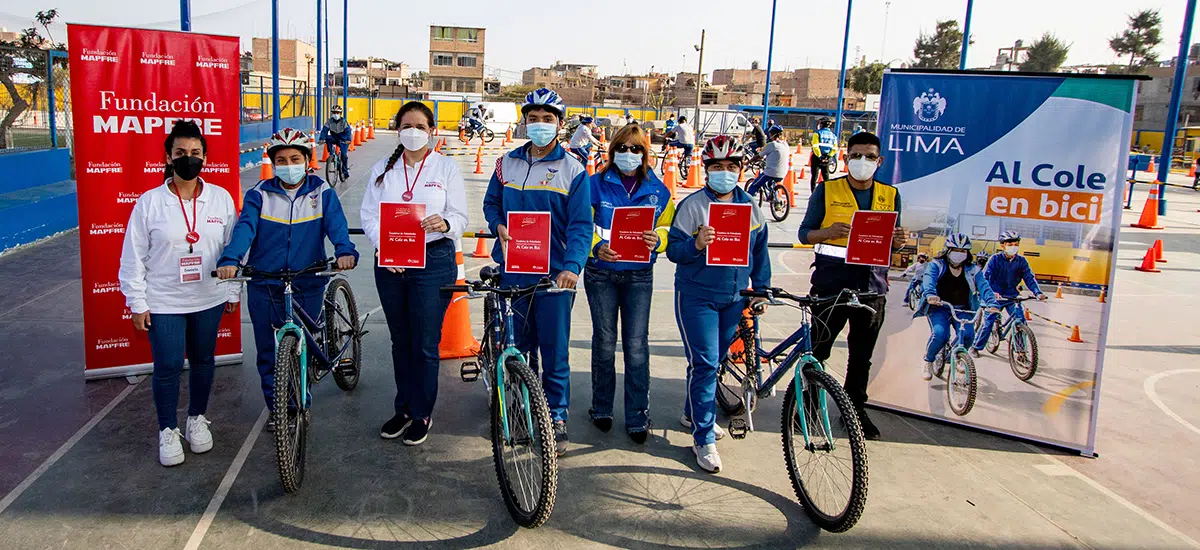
<point>962,384</point>
<point>823,444</point>
<point>522,434</point>
<point>337,334</point>
<point>1022,344</point>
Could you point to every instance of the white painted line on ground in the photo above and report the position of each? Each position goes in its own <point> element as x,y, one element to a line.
<point>218,499</point>
<point>58,454</point>
<point>363,318</point>
<point>38,297</point>
<point>1149,385</point>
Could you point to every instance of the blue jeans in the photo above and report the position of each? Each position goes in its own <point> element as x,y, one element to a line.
<point>343,153</point>
<point>415,308</point>
<point>762,179</point>
<point>266,313</point>
<point>939,331</point>
<point>687,149</point>
<point>707,329</point>
<point>627,293</point>
<point>172,336</point>
<point>543,324</point>
<point>989,321</point>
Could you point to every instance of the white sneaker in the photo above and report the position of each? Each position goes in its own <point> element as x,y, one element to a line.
<point>974,353</point>
<point>717,429</point>
<point>927,372</point>
<point>198,436</point>
<point>707,457</point>
<point>170,450</point>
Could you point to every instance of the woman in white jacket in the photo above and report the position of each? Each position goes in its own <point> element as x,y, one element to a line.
<point>174,237</point>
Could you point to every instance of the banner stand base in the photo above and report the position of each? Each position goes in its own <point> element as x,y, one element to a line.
<point>148,368</point>
<point>987,431</point>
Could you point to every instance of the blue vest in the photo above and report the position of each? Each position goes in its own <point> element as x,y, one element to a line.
<point>828,140</point>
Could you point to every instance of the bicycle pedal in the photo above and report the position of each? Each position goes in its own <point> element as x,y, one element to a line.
<point>738,428</point>
<point>469,371</point>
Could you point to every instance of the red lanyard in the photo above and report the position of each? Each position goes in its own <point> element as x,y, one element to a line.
<point>408,193</point>
<point>192,236</point>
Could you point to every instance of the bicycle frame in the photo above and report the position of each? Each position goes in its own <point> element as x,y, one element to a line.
<point>303,334</point>
<point>505,319</point>
<point>1017,316</point>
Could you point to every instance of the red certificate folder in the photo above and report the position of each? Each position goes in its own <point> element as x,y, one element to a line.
<point>870,240</point>
<point>628,224</point>
<point>529,249</point>
<point>732,224</point>
<point>401,239</point>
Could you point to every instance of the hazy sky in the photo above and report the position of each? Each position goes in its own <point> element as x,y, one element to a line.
<point>635,35</point>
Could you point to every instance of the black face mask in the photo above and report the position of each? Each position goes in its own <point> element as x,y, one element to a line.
<point>187,168</point>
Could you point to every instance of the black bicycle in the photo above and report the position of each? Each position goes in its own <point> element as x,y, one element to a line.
<point>337,337</point>
<point>334,172</point>
<point>486,134</point>
<point>522,435</point>
<point>776,196</point>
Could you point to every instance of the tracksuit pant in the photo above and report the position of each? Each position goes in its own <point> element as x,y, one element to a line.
<point>707,329</point>
<point>266,313</point>
<point>989,321</point>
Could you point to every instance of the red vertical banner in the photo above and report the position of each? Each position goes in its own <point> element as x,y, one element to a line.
<point>128,88</point>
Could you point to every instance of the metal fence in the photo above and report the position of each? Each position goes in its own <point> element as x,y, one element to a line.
<point>35,100</point>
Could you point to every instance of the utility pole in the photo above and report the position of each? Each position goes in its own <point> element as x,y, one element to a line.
<point>770,52</point>
<point>699,78</point>
<point>185,15</point>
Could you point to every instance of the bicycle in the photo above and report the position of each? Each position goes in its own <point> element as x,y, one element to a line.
<point>522,436</point>
<point>961,387</point>
<point>333,167</point>
<point>740,386</point>
<point>1022,344</point>
<point>337,334</point>
<point>683,164</point>
<point>485,134</point>
<point>776,196</point>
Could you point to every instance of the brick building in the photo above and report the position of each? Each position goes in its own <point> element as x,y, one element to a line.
<point>456,57</point>
<point>297,60</point>
<point>575,83</point>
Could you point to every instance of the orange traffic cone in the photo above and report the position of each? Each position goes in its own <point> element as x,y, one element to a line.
<point>312,157</point>
<point>1074,337</point>
<point>1148,262</point>
<point>1149,218</point>
<point>1059,293</point>
<point>1158,251</point>
<point>437,147</point>
<point>1101,297</point>
<point>693,179</point>
<point>457,340</point>
<point>359,134</point>
<point>266,171</point>
<point>669,168</point>
<point>591,165</point>
<point>479,160</point>
<point>1192,171</point>
<point>1152,169</point>
<point>371,135</point>
<point>324,153</point>
<point>800,147</point>
<point>789,183</point>
<point>507,136</point>
<point>480,249</point>
<point>1028,315</point>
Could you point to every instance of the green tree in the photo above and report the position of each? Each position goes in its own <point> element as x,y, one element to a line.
<point>941,49</point>
<point>1046,54</point>
<point>867,79</point>
<point>1139,40</point>
<point>31,63</point>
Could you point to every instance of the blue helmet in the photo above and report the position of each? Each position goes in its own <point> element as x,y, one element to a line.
<point>585,120</point>
<point>1009,236</point>
<point>959,241</point>
<point>774,129</point>
<point>544,97</point>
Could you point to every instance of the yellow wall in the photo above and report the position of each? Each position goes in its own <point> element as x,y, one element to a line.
<point>1155,141</point>
<point>1055,259</point>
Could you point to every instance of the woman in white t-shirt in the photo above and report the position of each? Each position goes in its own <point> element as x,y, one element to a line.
<point>411,298</point>
<point>174,237</point>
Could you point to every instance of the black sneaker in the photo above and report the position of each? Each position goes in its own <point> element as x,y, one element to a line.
<point>869,430</point>
<point>605,424</point>
<point>394,427</point>
<point>417,432</point>
<point>639,437</point>
<point>560,437</point>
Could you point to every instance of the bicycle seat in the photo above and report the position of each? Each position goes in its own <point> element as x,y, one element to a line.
<point>490,274</point>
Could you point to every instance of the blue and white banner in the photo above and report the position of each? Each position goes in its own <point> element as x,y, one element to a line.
<point>981,155</point>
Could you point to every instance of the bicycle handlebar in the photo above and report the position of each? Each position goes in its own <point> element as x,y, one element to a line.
<point>472,288</point>
<point>775,293</point>
<point>319,268</point>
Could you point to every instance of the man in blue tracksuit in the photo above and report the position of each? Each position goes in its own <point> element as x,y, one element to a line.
<point>336,136</point>
<point>541,177</point>
<point>1004,272</point>
<point>284,223</point>
<point>708,306</point>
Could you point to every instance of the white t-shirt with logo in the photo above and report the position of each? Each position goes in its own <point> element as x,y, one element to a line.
<point>440,187</point>
<point>156,251</point>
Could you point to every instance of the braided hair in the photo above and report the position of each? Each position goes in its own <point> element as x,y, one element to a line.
<point>405,109</point>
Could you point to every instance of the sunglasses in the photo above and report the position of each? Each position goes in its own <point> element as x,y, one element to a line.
<point>635,149</point>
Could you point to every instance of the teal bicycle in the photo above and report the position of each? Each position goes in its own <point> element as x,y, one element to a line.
<point>1022,344</point>
<point>521,432</point>
<point>823,444</point>
<point>962,382</point>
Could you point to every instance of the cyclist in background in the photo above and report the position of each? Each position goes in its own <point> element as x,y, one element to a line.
<point>758,137</point>
<point>684,138</point>
<point>336,135</point>
<point>582,141</point>
<point>1004,272</point>
<point>479,113</point>
<point>824,152</point>
<point>776,155</point>
<point>952,279</point>
<point>981,259</point>
<point>708,306</point>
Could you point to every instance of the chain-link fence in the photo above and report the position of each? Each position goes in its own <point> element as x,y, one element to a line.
<point>35,100</point>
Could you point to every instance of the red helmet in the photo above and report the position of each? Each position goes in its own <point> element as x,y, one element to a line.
<point>288,137</point>
<point>722,148</point>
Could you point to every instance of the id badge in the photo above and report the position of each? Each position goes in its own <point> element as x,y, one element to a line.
<point>191,269</point>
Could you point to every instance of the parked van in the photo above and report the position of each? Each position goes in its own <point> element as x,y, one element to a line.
<point>715,122</point>
<point>503,116</point>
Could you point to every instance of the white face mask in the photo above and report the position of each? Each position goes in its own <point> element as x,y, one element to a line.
<point>414,139</point>
<point>862,169</point>
<point>1011,250</point>
<point>957,257</point>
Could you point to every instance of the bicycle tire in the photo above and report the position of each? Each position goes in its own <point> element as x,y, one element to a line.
<point>517,373</point>
<point>487,135</point>
<point>291,431</point>
<point>914,298</point>
<point>780,203</point>
<point>333,342</point>
<point>971,383</point>
<point>856,501</point>
<point>332,172</point>
<point>993,343</point>
<point>1022,372</point>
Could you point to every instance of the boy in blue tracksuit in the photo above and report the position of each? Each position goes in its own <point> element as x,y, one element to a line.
<point>1004,272</point>
<point>284,223</point>
<point>540,176</point>
<point>708,306</point>
<point>336,136</point>
<point>952,278</point>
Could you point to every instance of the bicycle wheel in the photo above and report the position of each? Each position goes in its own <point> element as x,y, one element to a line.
<point>487,135</point>
<point>914,297</point>
<point>781,203</point>
<point>342,329</point>
<point>829,473</point>
<point>289,415</point>
<point>526,463</point>
<point>1022,352</point>
<point>331,169</point>
<point>961,387</point>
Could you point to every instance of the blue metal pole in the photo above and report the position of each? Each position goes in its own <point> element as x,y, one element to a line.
<point>185,15</point>
<point>50,99</point>
<point>274,65</point>
<point>330,100</point>
<point>842,78</point>
<point>1181,64</point>
<point>346,59</point>
<point>319,109</point>
<point>962,58</point>
<point>770,53</point>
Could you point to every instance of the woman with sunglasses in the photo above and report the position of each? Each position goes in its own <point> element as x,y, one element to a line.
<point>624,284</point>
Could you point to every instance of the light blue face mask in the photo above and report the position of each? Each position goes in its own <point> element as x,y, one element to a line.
<point>541,133</point>
<point>722,181</point>
<point>628,162</point>
<point>292,173</point>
